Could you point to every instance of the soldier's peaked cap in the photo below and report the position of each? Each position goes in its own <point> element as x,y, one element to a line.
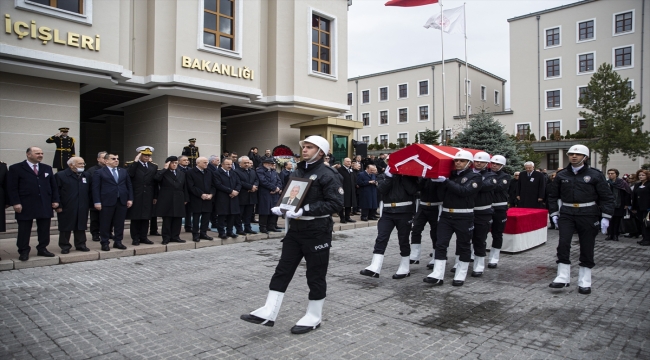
<point>145,150</point>
<point>192,139</point>
<point>64,129</point>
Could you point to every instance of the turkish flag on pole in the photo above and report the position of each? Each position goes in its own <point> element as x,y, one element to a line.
<point>410,2</point>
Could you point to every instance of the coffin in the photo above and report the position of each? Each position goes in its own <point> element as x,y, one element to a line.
<point>525,229</point>
<point>430,161</point>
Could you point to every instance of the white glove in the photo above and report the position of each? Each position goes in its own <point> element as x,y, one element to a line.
<point>294,214</point>
<point>439,179</point>
<point>276,211</point>
<point>554,218</point>
<point>604,224</point>
<point>387,172</point>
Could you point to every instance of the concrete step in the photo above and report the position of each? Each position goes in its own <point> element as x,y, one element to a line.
<point>12,228</point>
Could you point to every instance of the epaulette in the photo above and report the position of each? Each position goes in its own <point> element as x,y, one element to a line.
<point>154,163</point>
<point>126,164</point>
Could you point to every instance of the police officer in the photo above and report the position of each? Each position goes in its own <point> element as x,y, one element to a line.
<point>64,148</point>
<point>428,210</point>
<point>309,236</point>
<point>458,194</point>
<point>192,152</point>
<point>500,207</point>
<point>398,194</point>
<point>584,193</point>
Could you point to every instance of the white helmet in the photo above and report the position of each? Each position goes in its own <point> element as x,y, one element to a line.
<point>482,156</point>
<point>499,159</point>
<point>318,141</point>
<point>464,155</point>
<point>578,149</point>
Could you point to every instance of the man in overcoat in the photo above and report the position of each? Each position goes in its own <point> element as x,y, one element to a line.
<point>72,213</point>
<point>269,194</point>
<point>349,191</point>
<point>367,182</point>
<point>200,185</point>
<point>531,187</point>
<point>228,186</point>
<point>247,196</point>
<point>171,201</point>
<point>142,171</point>
<point>94,214</point>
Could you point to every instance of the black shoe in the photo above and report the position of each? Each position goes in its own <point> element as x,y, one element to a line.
<point>615,238</point>
<point>457,283</point>
<point>250,232</point>
<point>96,238</point>
<point>277,229</point>
<point>83,248</point>
<point>205,237</point>
<point>584,290</point>
<point>433,281</point>
<point>609,237</point>
<point>23,257</point>
<point>430,266</point>
<point>343,221</point>
<point>366,272</point>
<point>364,219</point>
<point>350,220</point>
<point>65,251</point>
<point>223,236</point>
<point>296,329</point>
<point>165,242</point>
<point>241,233</point>
<point>234,236</point>
<point>373,218</point>
<point>195,238</point>
<point>555,285</point>
<point>414,261</point>
<point>257,320</point>
<point>477,273</point>
<point>45,253</point>
<point>119,246</point>
<point>452,270</point>
<point>401,276</point>
<point>156,233</point>
<point>135,243</point>
<point>264,230</point>
<point>492,266</point>
<point>146,241</point>
<point>105,247</point>
<point>178,240</point>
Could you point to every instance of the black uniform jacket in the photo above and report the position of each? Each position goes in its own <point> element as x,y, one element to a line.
<point>325,195</point>
<point>35,193</point>
<point>225,184</point>
<point>144,190</point>
<point>74,192</point>
<point>198,184</point>
<point>429,191</point>
<point>501,191</point>
<point>64,150</point>
<point>248,179</point>
<point>485,196</point>
<point>586,186</point>
<point>349,187</point>
<point>269,181</point>
<point>172,193</point>
<point>459,192</point>
<point>397,189</point>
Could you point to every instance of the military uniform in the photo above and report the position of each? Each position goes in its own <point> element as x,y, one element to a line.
<point>428,211</point>
<point>500,215</point>
<point>145,190</point>
<point>64,149</point>
<point>192,152</point>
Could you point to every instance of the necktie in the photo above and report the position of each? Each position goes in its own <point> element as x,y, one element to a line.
<point>35,170</point>
<point>290,200</point>
<point>117,177</point>
<point>228,173</point>
<point>145,166</point>
<point>174,172</point>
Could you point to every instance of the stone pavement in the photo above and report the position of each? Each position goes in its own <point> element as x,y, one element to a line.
<point>186,304</point>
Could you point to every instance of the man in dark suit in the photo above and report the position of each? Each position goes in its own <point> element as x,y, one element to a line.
<point>183,166</point>
<point>228,186</point>
<point>72,213</point>
<point>94,214</point>
<point>112,196</point>
<point>142,171</point>
<point>33,194</point>
<point>285,174</point>
<point>512,190</point>
<point>531,187</point>
<point>200,185</point>
<point>247,196</point>
<point>292,199</point>
<point>214,163</point>
<point>367,182</point>
<point>172,198</point>
<point>349,191</point>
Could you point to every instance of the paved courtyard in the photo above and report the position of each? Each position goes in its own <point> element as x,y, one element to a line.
<point>186,304</point>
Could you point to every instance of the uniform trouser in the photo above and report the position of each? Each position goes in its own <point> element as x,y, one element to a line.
<point>310,239</point>
<point>425,214</point>
<point>94,223</point>
<point>171,228</point>
<point>204,219</point>
<point>615,225</point>
<point>498,225</point>
<point>479,235</point>
<point>112,217</point>
<point>153,225</point>
<point>245,212</point>
<point>25,232</point>
<point>463,226</point>
<point>139,228</point>
<point>587,227</point>
<point>385,226</point>
<point>79,239</point>
<point>226,222</point>
<point>188,217</point>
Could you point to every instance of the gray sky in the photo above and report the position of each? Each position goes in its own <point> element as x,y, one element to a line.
<point>384,38</point>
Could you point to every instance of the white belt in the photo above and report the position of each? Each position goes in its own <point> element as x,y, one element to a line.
<point>430,203</point>
<point>312,217</point>
<point>405,203</point>
<point>576,205</point>
<point>458,210</point>
<point>500,204</point>
<point>483,207</point>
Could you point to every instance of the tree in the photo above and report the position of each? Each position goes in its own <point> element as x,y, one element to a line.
<point>614,124</point>
<point>485,133</point>
<point>429,137</point>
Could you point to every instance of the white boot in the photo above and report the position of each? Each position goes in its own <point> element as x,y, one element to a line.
<point>312,318</point>
<point>266,315</point>
<point>494,258</point>
<point>438,274</point>
<point>455,264</point>
<point>479,266</point>
<point>375,266</point>
<point>563,276</point>
<point>584,280</point>
<point>403,270</point>
<point>461,273</point>
<point>415,253</point>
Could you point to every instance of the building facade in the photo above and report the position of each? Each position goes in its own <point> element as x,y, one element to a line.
<point>397,105</point>
<point>553,54</point>
<point>120,74</point>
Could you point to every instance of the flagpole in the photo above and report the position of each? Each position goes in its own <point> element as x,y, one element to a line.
<point>442,52</point>
<point>466,68</point>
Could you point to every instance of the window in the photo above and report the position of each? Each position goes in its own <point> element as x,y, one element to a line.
<point>448,134</point>
<point>383,139</point>
<point>554,129</point>
<point>424,113</point>
<point>366,119</point>
<point>423,87</point>
<point>80,11</point>
<point>403,91</point>
<point>624,22</point>
<point>582,93</point>
<point>468,87</point>
<point>348,117</point>
<point>553,98</point>
<point>402,138</point>
<point>75,6</point>
<point>553,37</point>
<point>350,99</point>
<point>365,139</point>
<point>483,93</point>
<point>586,30</point>
<point>582,125</point>
<point>383,94</point>
<point>523,130</point>
<point>320,44</point>
<point>403,115</point>
<point>552,160</point>
<point>623,57</point>
<point>586,63</point>
<point>383,117</point>
<point>365,96</point>
<point>219,23</point>
<point>497,97</point>
<point>552,68</point>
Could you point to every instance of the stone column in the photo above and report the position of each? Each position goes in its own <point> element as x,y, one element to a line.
<point>560,158</point>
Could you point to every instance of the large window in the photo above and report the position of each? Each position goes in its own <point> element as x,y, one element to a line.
<point>366,119</point>
<point>553,128</point>
<point>582,93</point>
<point>365,96</point>
<point>553,37</point>
<point>383,117</point>
<point>553,99</point>
<point>586,30</point>
<point>402,138</point>
<point>586,62</point>
<point>219,23</point>
<point>552,68</point>
<point>423,87</point>
<point>403,91</point>
<point>523,130</point>
<point>424,113</point>
<point>383,139</point>
<point>320,44</point>
<point>582,125</point>
<point>75,6</point>
<point>365,139</point>
<point>552,160</point>
<point>350,99</point>
<point>623,56</point>
<point>624,22</point>
<point>403,115</point>
<point>383,93</point>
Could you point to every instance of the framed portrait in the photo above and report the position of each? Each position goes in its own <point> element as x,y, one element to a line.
<point>292,196</point>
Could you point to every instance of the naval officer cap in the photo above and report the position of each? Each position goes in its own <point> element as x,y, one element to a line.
<point>145,150</point>
<point>64,129</point>
<point>192,140</point>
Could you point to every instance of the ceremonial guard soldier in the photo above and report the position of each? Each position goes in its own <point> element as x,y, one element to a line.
<point>428,212</point>
<point>171,200</point>
<point>500,207</point>
<point>64,148</point>
<point>72,213</point>
<point>586,198</point>
<point>458,194</point>
<point>398,194</point>
<point>145,191</point>
<point>309,236</point>
<point>192,152</point>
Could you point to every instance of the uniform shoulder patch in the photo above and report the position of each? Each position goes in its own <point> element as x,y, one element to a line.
<point>341,191</point>
<point>494,181</point>
<point>474,185</point>
<point>505,181</point>
<point>586,178</point>
<point>313,177</point>
<point>463,180</point>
